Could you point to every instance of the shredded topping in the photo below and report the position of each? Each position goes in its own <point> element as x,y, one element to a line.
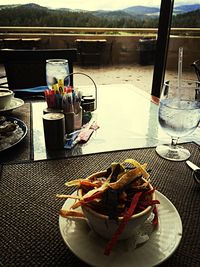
<point>121,191</point>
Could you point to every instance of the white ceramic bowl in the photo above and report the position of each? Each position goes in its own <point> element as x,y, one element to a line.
<point>5,97</point>
<point>105,227</point>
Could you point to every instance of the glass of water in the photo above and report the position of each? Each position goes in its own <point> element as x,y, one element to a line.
<point>57,71</point>
<point>178,115</point>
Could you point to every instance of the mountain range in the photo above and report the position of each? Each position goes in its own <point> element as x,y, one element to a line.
<point>143,11</point>
<point>136,11</point>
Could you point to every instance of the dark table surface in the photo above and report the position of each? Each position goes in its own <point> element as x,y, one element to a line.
<point>29,227</point>
<point>30,179</point>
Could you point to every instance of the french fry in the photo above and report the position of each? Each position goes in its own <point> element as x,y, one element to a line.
<point>67,196</point>
<point>126,178</point>
<point>142,167</point>
<point>71,213</point>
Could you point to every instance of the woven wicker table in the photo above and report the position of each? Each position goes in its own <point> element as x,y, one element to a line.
<point>29,230</point>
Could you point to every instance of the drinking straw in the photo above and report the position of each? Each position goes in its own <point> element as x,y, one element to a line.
<point>180,65</point>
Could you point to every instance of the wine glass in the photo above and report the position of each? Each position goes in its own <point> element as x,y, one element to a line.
<point>57,71</point>
<point>178,115</point>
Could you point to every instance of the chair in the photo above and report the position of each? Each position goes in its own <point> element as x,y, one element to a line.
<point>91,51</point>
<point>196,66</point>
<point>27,68</point>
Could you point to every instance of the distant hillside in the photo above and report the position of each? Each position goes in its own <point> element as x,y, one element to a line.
<point>132,17</point>
<point>111,14</point>
<point>186,8</point>
<point>7,6</point>
<point>141,10</point>
<point>189,20</point>
<point>33,5</point>
<point>133,10</point>
<point>154,11</point>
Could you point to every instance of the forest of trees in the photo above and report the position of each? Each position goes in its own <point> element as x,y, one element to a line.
<point>44,17</point>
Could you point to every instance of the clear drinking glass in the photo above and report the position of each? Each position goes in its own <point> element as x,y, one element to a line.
<point>178,115</point>
<point>57,70</point>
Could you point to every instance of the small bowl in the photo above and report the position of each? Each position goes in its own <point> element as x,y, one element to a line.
<point>5,97</point>
<point>102,225</point>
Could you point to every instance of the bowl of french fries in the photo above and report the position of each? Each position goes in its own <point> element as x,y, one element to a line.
<point>105,214</point>
<point>116,202</point>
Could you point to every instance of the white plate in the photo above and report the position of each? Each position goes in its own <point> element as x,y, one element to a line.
<point>15,103</point>
<point>89,247</point>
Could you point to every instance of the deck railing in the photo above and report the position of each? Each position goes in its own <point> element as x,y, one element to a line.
<point>39,31</point>
<point>122,42</point>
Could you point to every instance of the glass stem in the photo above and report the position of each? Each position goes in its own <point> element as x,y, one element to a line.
<point>174,142</point>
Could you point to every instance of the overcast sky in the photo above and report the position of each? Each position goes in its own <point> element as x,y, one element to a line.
<point>93,4</point>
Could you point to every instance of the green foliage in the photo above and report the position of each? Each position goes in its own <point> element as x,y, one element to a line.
<point>189,20</point>
<point>33,15</point>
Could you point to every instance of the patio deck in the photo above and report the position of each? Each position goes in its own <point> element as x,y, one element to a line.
<point>140,76</point>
